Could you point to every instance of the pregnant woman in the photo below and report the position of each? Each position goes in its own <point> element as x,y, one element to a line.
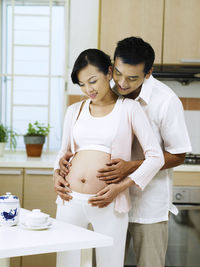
<point>96,130</point>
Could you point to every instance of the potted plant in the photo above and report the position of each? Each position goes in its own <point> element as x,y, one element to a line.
<point>35,138</point>
<point>5,135</point>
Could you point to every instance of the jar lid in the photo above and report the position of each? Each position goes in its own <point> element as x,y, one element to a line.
<point>8,197</point>
<point>36,213</point>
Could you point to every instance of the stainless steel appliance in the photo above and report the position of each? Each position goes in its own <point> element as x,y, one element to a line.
<point>184,229</point>
<point>192,159</point>
<point>182,73</point>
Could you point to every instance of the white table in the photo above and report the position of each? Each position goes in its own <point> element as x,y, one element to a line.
<point>16,241</point>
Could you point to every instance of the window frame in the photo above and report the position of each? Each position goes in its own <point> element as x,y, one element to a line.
<point>50,3</point>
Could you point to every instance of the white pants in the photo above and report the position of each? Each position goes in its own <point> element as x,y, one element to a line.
<point>104,220</point>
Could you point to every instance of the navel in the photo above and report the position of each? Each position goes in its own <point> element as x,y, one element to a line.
<point>83,180</point>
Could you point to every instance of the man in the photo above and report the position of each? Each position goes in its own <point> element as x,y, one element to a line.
<point>133,61</point>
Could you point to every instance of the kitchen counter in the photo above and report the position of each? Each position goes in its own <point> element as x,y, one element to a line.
<point>184,175</point>
<point>187,175</point>
<point>17,159</point>
<point>187,168</point>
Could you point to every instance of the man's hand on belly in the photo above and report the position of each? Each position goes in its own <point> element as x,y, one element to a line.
<point>116,170</point>
<point>104,197</point>
<point>61,186</point>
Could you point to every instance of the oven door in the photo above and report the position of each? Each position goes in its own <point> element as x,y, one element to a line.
<point>184,237</point>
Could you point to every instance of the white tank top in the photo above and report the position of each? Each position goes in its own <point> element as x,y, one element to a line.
<point>95,133</point>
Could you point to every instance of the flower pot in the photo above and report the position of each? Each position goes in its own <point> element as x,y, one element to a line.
<point>34,145</point>
<point>2,148</point>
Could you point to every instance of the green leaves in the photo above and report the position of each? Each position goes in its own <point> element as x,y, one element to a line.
<point>6,134</point>
<point>3,134</point>
<point>38,129</point>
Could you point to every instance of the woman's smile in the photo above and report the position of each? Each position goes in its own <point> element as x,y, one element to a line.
<point>92,96</point>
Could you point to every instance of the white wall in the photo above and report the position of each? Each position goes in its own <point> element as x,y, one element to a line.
<point>83,33</point>
<point>190,90</point>
<point>192,117</point>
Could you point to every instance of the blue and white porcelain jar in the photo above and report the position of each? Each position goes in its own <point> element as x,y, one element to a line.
<point>9,209</point>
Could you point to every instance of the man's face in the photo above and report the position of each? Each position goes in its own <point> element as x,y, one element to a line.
<point>128,78</point>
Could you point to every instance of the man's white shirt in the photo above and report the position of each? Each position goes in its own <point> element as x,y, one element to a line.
<point>166,116</point>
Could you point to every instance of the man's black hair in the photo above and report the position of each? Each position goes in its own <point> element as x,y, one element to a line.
<point>133,51</point>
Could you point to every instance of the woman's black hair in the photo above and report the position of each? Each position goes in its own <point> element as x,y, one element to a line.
<point>94,57</point>
<point>133,51</point>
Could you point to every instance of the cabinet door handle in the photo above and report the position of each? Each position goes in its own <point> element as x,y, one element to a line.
<point>11,172</point>
<point>190,60</point>
<point>39,172</point>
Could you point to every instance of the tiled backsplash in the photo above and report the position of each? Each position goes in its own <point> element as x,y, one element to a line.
<point>190,103</point>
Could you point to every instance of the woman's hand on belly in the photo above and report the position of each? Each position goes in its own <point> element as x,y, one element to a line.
<point>110,192</point>
<point>64,163</point>
<point>61,186</point>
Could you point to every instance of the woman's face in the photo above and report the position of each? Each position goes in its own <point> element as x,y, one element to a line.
<point>94,83</point>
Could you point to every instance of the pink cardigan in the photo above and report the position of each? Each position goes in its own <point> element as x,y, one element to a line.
<point>132,121</point>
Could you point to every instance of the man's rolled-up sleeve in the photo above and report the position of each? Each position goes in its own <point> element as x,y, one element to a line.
<point>154,158</point>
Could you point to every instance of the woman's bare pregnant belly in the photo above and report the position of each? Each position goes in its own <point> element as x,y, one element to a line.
<point>82,175</point>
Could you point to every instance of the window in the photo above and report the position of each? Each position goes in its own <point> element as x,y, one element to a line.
<point>33,66</point>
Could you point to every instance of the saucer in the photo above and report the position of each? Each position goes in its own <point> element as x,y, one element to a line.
<point>41,227</point>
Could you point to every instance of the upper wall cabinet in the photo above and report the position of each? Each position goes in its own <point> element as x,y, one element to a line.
<point>124,18</point>
<point>181,32</point>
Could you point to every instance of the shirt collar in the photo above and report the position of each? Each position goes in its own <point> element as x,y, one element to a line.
<point>146,90</point>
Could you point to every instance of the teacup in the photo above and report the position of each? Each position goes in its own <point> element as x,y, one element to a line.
<point>36,218</point>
